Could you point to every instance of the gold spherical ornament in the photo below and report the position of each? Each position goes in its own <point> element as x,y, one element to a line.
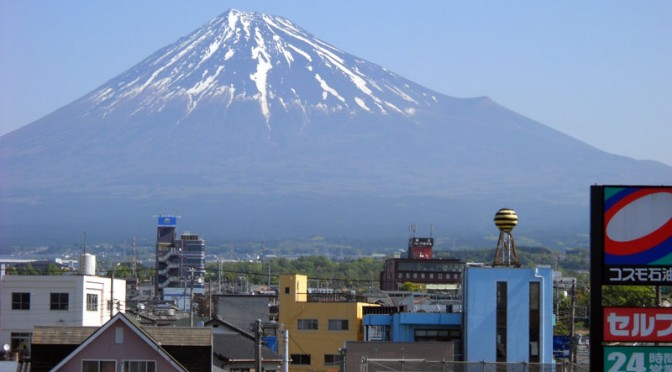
<point>506,219</point>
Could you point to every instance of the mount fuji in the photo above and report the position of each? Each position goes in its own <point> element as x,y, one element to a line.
<point>251,126</point>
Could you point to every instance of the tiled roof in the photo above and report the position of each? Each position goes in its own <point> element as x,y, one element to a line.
<point>180,336</point>
<point>61,335</point>
<point>164,335</point>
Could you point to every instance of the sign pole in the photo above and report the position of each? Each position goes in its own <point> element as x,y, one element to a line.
<point>596,259</point>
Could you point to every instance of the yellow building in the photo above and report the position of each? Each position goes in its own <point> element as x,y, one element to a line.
<point>318,324</point>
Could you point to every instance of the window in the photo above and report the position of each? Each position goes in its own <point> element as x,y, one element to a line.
<point>501,321</point>
<point>139,366</point>
<point>376,333</point>
<point>300,359</point>
<point>338,324</point>
<point>422,335</point>
<point>332,359</point>
<point>59,301</point>
<point>20,301</point>
<point>535,321</point>
<point>286,290</point>
<point>91,302</point>
<point>119,335</point>
<point>307,324</point>
<point>20,342</point>
<point>99,366</point>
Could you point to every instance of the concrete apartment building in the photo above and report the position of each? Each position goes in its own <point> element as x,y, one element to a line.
<point>318,325</point>
<point>27,301</point>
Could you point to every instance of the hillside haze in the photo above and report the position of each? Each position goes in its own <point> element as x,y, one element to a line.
<point>252,127</point>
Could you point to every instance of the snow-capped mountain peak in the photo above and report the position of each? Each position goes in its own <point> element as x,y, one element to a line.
<point>242,57</point>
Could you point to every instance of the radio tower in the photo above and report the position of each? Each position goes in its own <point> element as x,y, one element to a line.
<point>505,253</point>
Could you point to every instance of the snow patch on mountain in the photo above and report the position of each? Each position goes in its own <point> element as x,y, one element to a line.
<point>261,75</point>
<point>250,56</point>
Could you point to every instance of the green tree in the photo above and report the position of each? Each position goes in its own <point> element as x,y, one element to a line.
<point>28,270</point>
<point>53,269</point>
<point>636,296</point>
<point>412,287</point>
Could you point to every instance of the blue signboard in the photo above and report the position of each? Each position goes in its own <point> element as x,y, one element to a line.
<point>167,221</point>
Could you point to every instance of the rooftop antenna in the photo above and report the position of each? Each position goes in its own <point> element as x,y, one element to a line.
<point>431,230</point>
<point>505,253</point>
<point>411,230</point>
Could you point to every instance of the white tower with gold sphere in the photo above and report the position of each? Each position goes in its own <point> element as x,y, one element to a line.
<point>505,253</point>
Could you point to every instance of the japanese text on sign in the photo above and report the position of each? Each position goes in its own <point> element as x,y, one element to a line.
<point>637,359</point>
<point>640,275</point>
<point>638,324</point>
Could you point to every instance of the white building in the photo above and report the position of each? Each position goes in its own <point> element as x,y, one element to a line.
<point>67,300</point>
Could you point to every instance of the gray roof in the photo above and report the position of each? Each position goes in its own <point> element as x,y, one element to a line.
<point>237,347</point>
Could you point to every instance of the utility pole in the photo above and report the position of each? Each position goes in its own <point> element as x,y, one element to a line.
<point>210,299</point>
<point>219,276</point>
<point>285,350</point>
<point>112,294</point>
<point>258,341</point>
<point>114,271</point>
<point>572,336</point>
<point>191,298</point>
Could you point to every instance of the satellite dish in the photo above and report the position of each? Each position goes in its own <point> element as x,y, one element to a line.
<point>5,347</point>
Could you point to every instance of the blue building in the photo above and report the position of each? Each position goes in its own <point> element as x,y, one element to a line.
<point>505,316</point>
<point>508,315</point>
<point>420,318</point>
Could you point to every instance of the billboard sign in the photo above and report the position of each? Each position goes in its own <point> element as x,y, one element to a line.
<point>633,324</point>
<point>637,235</point>
<point>420,242</point>
<point>167,221</point>
<point>633,358</point>
<point>630,244</point>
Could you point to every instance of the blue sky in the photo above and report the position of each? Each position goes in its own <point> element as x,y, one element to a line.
<point>600,71</point>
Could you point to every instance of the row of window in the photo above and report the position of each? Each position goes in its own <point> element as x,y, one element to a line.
<point>427,276</point>
<point>334,324</point>
<point>57,301</point>
<point>305,359</point>
<point>422,265</point>
<point>111,366</point>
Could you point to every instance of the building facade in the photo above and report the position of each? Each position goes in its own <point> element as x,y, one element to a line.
<point>508,315</point>
<point>122,345</point>
<point>318,325</point>
<point>167,255</point>
<point>63,300</point>
<point>192,258</point>
<point>420,267</point>
<point>180,263</point>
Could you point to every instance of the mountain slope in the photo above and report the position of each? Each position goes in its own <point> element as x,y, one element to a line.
<point>252,120</point>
